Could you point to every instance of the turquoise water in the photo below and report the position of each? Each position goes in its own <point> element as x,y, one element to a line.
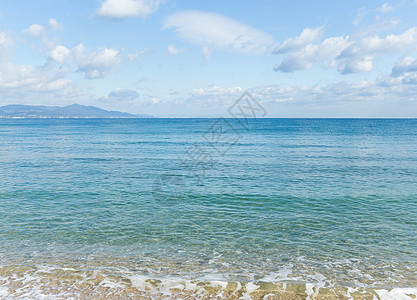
<point>321,201</point>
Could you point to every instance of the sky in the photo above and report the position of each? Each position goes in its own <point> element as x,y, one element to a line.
<point>173,58</point>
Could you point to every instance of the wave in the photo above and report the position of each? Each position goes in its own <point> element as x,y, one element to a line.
<point>46,282</point>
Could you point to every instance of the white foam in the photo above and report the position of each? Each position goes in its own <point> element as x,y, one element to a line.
<point>250,288</point>
<point>222,284</point>
<point>32,281</point>
<point>166,285</point>
<point>211,276</point>
<point>397,294</point>
<point>106,282</point>
<point>4,292</point>
<point>238,287</point>
<point>350,290</point>
<point>312,291</point>
<point>139,283</point>
<point>280,276</point>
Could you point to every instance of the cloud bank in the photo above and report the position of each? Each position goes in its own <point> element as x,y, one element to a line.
<point>24,83</point>
<point>351,54</point>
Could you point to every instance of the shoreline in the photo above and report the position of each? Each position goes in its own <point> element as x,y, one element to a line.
<point>37,282</point>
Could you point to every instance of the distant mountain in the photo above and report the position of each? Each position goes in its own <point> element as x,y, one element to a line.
<point>70,111</point>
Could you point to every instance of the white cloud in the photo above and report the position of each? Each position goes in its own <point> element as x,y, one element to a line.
<point>214,31</point>
<point>307,36</point>
<point>206,52</point>
<point>381,89</point>
<point>359,56</point>
<point>215,96</point>
<point>28,83</point>
<point>306,57</point>
<point>120,95</point>
<point>385,8</point>
<point>172,50</point>
<point>139,54</point>
<point>405,65</point>
<point>216,91</point>
<point>410,79</point>
<point>100,63</point>
<point>373,44</point>
<point>36,30</point>
<point>54,25</point>
<point>94,65</point>
<point>384,97</point>
<point>118,9</point>
<point>352,54</point>
<point>61,55</point>
<point>20,83</point>
<point>362,12</point>
<point>356,65</point>
<point>6,43</point>
<point>405,70</point>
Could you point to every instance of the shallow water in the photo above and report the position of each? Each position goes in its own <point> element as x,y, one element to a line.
<point>110,203</point>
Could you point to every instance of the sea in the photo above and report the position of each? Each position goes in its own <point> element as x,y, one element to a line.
<point>208,208</point>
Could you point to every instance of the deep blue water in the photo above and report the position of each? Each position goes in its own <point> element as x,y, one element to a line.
<point>318,200</point>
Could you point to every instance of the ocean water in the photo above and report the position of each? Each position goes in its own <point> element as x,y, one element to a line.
<point>208,208</point>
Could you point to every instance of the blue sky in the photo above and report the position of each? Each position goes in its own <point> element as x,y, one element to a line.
<point>194,59</point>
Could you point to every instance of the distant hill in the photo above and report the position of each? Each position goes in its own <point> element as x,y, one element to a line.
<point>70,111</point>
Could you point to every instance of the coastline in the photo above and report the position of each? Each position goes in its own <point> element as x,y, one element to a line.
<point>36,282</point>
